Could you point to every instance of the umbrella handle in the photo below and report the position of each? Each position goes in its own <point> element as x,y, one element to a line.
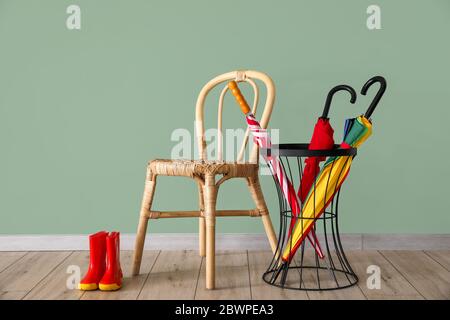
<point>341,87</point>
<point>232,85</point>
<point>376,100</point>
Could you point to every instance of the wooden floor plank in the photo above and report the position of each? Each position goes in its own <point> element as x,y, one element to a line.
<point>8,258</point>
<point>12,295</point>
<point>258,263</point>
<point>54,285</point>
<point>28,271</point>
<point>426,275</point>
<point>327,280</point>
<point>132,286</point>
<point>173,276</point>
<point>232,278</point>
<point>392,285</point>
<point>441,256</point>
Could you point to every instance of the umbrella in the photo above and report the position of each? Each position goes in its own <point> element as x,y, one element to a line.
<point>262,139</point>
<point>322,139</point>
<point>335,170</point>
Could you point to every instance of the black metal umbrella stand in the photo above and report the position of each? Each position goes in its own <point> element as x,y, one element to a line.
<point>306,270</point>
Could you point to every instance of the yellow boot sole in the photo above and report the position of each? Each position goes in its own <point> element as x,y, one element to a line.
<point>108,287</point>
<point>87,286</point>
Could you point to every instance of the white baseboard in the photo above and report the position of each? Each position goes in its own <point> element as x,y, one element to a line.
<point>161,241</point>
<point>406,242</point>
<point>189,241</point>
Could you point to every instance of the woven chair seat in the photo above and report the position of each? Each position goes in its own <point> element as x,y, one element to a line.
<point>191,168</point>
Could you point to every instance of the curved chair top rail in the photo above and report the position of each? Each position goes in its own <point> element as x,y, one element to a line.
<point>238,76</point>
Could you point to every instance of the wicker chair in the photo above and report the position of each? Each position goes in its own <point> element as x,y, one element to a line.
<point>204,172</point>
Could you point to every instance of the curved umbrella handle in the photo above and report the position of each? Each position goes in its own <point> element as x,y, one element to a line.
<point>376,100</point>
<point>341,87</point>
<point>232,85</point>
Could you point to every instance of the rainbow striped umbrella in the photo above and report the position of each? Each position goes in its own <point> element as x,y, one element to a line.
<point>327,183</point>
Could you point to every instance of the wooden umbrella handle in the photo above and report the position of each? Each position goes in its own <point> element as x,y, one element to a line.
<point>232,85</point>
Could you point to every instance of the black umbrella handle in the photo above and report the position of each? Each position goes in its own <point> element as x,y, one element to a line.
<point>377,98</point>
<point>342,87</point>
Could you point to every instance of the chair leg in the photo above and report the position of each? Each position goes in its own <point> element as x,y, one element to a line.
<point>149,191</point>
<point>268,226</point>
<point>210,195</point>
<point>201,223</point>
<point>258,198</point>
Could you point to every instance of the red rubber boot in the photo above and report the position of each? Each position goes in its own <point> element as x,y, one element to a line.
<point>112,279</point>
<point>97,261</point>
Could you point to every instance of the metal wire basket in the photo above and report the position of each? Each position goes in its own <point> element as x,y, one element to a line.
<point>305,267</point>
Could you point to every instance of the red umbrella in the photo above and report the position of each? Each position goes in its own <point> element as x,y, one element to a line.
<point>322,139</point>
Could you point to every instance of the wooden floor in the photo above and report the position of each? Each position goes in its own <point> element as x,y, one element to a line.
<point>181,275</point>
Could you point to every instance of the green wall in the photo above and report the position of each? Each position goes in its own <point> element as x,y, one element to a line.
<point>81,112</point>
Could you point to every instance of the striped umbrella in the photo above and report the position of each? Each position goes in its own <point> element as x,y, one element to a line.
<point>327,183</point>
<point>262,139</point>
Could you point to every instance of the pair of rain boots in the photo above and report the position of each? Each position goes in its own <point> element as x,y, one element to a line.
<point>104,271</point>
